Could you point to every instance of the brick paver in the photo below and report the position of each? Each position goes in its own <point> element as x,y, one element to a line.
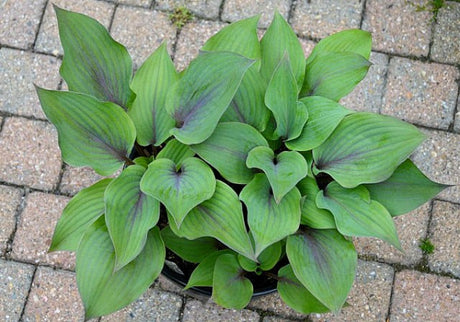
<point>237,9</point>
<point>446,38</point>
<point>198,311</point>
<point>10,199</point>
<point>274,304</point>
<point>201,8</point>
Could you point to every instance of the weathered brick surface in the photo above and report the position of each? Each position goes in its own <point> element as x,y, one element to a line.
<point>446,37</point>
<point>274,304</point>
<point>75,179</point>
<point>276,319</point>
<point>201,8</point>
<point>10,198</point>
<point>197,311</point>
<point>141,3</point>
<point>238,9</point>
<point>457,117</point>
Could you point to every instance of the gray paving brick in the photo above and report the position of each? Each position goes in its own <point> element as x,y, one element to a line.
<point>141,3</point>
<point>424,297</point>
<point>10,198</point>
<point>197,311</point>
<point>444,232</point>
<point>276,319</point>
<point>274,304</point>
<point>320,18</point>
<point>19,22</point>
<point>20,70</point>
<point>238,9</point>
<point>397,27</point>
<point>201,8</point>
<point>75,179</point>
<point>35,231</point>
<point>457,117</point>
<point>446,37</point>
<point>307,46</point>
<point>30,153</point>
<point>15,279</point>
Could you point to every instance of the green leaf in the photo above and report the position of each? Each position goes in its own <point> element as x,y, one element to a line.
<point>269,221</point>
<point>93,62</point>
<point>151,83</point>
<point>179,189</point>
<point>334,75</point>
<point>312,216</point>
<point>227,149</point>
<point>175,151</point>
<point>281,99</point>
<point>220,217</point>
<point>129,214</point>
<point>325,263</point>
<point>406,189</point>
<point>91,133</point>
<point>270,256</point>
<point>193,251</point>
<point>247,264</point>
<point>283,171</point>
<point>84,209</point>
<point>296,295</point>
<point>104,291</point>
<point>278,39</point>
<point>366,148</point>
<point>203,274</point>
<point>356,215</point>
<point>230,288</point>
<point>198,100</point>
<point>323,117</point>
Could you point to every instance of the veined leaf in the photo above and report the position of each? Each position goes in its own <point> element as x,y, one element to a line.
<point>129,214</point>
<point>93,62</point>
<point>270,256</point>
<point>227,149</point>
<point>151,83</point>
<point>91,133</point>
<point>176,152</point>
<point>366,148</point>
<point>84,209</point>
<point>203,274</point>
<point>198,100</point>
<point>325,263</point>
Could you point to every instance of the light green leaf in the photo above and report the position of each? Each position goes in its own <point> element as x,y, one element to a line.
<point>323,117</point>
<point>230,288</point>
<point>270,256</point>
<point>227,149</point>
<point>247,264</point>
<point>198,100</point>
<point>179,189</point>
<point>129,214</point>
<point>283,171</point>
<point>91,133</point>
<point>325,263</point>
<point>151,83</point>
<point>93,62</point>
<point>104,291</point>
<point>175,151</point>
<point>203,274</point>
<point>269,221</point>
<point>84,209</point>
<point>356,215</point>
<point>366,148</point>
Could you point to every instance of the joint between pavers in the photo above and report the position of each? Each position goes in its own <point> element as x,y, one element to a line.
<point>456,108</point>
<point>221,10</point>
<point>45,4</point>
<point>390,302</point>
<point>21,317</point>
<point>291,11</point>
<point>112,18</point>
<point>17,216</point>
<point>363,13</point>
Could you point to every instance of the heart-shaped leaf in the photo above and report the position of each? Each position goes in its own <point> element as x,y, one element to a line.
<point>325,263</point>
<point>129,214</point>
<point>91,133</point>
<point>269,221</point>
<point>356,215</point>
<point>179,189</point>
<point>203,274</point>
<point>93,62</point>
<point>104,291</point>
<point>84,209</point>
<point>270,256</point>
<point>227,149</point>
<point>197,101</point>
<point>352,154</point>
<point>283,171</point>
<point>175,151</point>
<point>151,83</point>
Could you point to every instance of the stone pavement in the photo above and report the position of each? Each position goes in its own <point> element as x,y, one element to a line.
<point>415,77</point>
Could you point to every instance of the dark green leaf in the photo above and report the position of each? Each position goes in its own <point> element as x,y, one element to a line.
<point>202,275</point>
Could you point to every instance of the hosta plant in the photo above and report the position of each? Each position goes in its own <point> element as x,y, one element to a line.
<point>244,167</point>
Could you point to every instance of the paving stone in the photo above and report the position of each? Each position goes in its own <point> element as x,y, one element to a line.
<point>10,198</point>
<point>19,22</point>
<point>192,37</point>
<point>411,228</point>
<point>276,319</point>
<point>201,8</point>
<point>20,71</point>
<point>141,3</point>
<point>367,96</point>
<point>30,153</point>
<point>369,297</point>
<point>235,10</point>
<point>457,117</point>
<point>48,36</point>
<point>421,93</point>
<point>166,284</point>
<point>35,231</point>
<point>397,27</point>
<point>274,304</point>
<point>320,18</point>
<point>307,46</point>
<point>446,37</point>
<point>444,232</point>
<point>142,31</point>
<point>75,179</point>
<point>439,158</point>
<point>54,297</point>
<point>15,279</point>
<point>153,305</point>
<point>424,297</point>
<point>197,311</point>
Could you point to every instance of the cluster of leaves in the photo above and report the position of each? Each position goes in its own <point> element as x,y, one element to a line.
<point>180,16</point>
<point>248,122</point>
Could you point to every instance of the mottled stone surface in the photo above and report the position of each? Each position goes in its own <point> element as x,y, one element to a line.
<point>276,319</point>
<point>10,199</point>
<point>238,9</point>
<point>197,311</point>
<point>201,8</point>
<point>446,37</point>
<point>274,304</point>
<point>141,3</point>
<point>75,179</point>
